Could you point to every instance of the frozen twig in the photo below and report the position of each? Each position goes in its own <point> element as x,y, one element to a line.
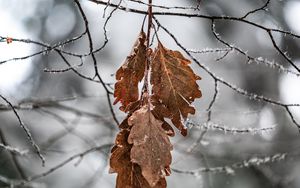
<point>26,130</point>
<point>230,169</point>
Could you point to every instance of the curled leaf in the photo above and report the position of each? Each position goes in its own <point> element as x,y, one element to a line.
<point>174,84</point>
<point>131,73</point>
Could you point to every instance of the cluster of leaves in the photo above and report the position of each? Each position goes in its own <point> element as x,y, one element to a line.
<point>142,152</point>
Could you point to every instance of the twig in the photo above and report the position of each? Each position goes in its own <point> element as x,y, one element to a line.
<point>250,59</point>
<point>95,61</point>
<point>265,5</point>
<point>216,126</point>
<point>15,160</point>
<point>27,132</point>
<point>14,150</point>
<point>63,163</point>
<point>229,169</point>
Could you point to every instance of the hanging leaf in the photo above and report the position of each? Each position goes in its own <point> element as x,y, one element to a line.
<point>141,155</point>
<point>129,174</point>
<point>120,160</point>
<point>130,74</point>
<point>160,112</point>
<point>151,148</point>
<point>140,182</point>
<point>174,85</point>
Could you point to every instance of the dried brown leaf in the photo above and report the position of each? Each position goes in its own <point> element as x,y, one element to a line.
<point>141,155</point>
<point>131,73</point>
<point>129,174</point>
<point>140,182</point>
<point>120,160</point>
<point>151,148</point>
<point>160,112</point>
<point>174,85</point>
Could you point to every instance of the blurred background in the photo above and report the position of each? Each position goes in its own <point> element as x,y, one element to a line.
<point>67,114</point>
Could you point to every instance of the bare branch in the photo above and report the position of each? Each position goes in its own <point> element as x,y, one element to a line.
<point>216,126</point>
<point>65,162</point>
<point>14,150</point>
<point>265,5</point>
<point>26,130</point>
<point>229,169</point>
<point>95,61</point>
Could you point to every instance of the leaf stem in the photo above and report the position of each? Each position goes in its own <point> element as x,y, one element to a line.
<point>150,15</point>
<point>148,54</point>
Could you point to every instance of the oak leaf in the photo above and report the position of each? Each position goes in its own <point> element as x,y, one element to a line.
<point>129,174</point>
<point>130,74</point>
<point>174,85</point>
<point>151,148</point>
<point>120,160</point>
<point>160,112</point>
<point>141,155</point>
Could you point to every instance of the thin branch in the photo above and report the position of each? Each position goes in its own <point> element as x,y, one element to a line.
<point>229,169</point>
<point>27,132</point>
<point>13,149</point>
<point>63,163</point>
<point>281,52</point>
<point>36,104</point>
<point>213,101</point>
<point>265,5</point>
<point>292,117</point>
<point>188,15</point>
<point>250,59</point>
<point>64,70</point>
<point>166,7</point>
<point>216,91</point>
<point>95,61</point>
<point>47,48</point>
<point>202,155</point>
<point>14,158</point>
<point>215,126</point>
<point>209,50</point>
